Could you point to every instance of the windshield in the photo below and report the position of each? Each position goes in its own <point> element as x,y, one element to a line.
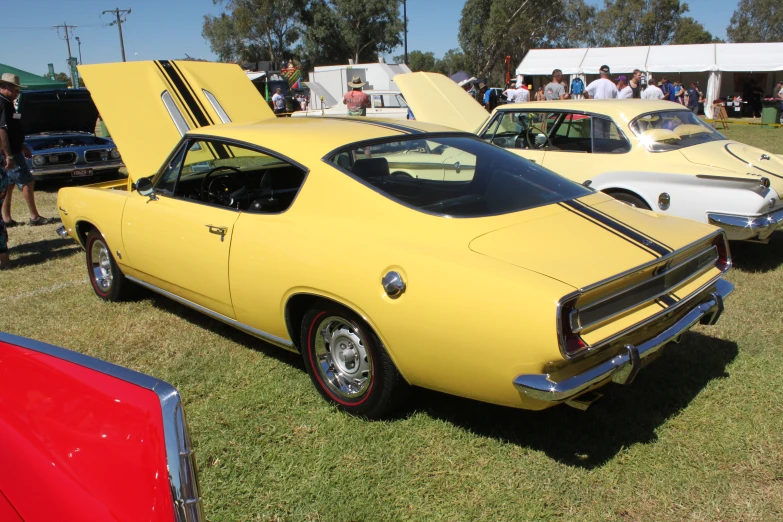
<point>454,176</point>
<point>672,130</point>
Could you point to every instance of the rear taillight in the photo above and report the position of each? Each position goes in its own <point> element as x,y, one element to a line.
<point>571,342</point>
<point>724,255</point>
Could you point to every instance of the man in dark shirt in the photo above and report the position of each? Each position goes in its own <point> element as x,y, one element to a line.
<point>13,153</point>
<point>636,83</point>
<point>693,99</point>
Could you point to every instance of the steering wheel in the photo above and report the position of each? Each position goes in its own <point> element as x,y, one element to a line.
<point>536,131</point>
<point>225,189</point>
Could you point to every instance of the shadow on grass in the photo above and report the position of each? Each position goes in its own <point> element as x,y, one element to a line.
<point>37,252</point>
<point>757,257</point>
<point>626,415</point>
<point>53,185</point>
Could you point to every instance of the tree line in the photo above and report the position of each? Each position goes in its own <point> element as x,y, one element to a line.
<point>325,32</point>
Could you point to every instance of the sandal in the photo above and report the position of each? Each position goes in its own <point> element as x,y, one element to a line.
<point>11,224</point>
<point>40,220</point>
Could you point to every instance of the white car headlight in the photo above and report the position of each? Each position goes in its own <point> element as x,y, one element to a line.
<point>115,154</point>
<point>38,160</point>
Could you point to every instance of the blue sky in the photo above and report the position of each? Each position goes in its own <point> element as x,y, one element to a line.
<point>159,29</point>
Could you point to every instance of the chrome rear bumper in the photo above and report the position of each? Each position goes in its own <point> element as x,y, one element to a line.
<point>745,227</point>
<point>623,367</point>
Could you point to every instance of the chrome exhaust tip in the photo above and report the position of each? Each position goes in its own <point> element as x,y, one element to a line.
<point>62,232</point>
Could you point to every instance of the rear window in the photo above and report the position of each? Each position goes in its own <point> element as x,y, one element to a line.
<point>456,176</point>
<point>672,130</point>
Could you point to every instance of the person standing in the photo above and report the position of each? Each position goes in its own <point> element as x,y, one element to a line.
<point>602,88</point>
<point>554,90</point>
<point>635,83</point>
<point>355,99</point>
<point>540,96</point>
<point>13,153</point>
<point>278,102</point>
<point>693,99</point>
<point>665,87</point>
<point>624,91</point>
<point>490,98</point>
<point>5,261</point>
<point>679,95</point>
<point>652,92</point>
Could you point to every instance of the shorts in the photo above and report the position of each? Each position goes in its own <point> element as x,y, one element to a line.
<point>20,174</point>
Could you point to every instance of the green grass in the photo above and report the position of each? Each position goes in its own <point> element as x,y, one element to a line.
<point>698,436</point>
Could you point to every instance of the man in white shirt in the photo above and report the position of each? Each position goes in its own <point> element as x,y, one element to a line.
<point>624,91</point>
<point>517,95</point>
<point>652,92</point>
<point>602,88</point>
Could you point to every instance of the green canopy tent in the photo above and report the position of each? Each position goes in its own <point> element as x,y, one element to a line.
<point>32,81</point>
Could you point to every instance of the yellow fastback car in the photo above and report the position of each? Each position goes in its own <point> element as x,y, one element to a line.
<point>650,154</point>
<point>507,284</point>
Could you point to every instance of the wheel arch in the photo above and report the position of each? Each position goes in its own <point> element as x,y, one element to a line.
<point>83,228</point>
<point>620,190</point>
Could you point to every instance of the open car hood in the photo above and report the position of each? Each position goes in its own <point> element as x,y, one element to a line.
<point>148,106</point>
<point>434,98</point>
<point>57,110</point>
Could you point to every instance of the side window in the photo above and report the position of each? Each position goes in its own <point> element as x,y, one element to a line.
<point>521,130</point>
<point>572,133</point>
<point>377,101</point>
<point>232,176</point>
<point>607,138</point>
<point>168,179</point>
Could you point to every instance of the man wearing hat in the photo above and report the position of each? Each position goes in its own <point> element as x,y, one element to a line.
<point>13,152</point>
<point>355,99</point>
<point>624,91</point>
<point>602,88</point>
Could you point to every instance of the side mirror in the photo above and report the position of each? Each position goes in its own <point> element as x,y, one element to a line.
<point>144,188</point>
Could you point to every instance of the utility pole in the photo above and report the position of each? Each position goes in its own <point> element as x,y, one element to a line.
<point>118,22</point>
<point>67,37</point>
<point>405,25</point>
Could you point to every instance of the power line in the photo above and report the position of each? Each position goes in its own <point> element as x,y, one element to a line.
<point>118,22</point>
<point>67,37</point>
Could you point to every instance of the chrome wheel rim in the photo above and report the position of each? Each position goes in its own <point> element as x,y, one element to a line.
<point>342,358</point>
<point>100,266</point>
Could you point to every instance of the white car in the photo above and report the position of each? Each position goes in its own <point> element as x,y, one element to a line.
<point>385,104</point>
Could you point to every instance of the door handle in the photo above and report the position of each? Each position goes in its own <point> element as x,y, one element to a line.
<point>220,231</point>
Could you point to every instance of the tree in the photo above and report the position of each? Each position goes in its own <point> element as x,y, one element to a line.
<point>254,29</point>
<point>454,60</point>
<point>419,61</point>
<point>689,31</point>
<point>639,22</point>
<point>60,77</point>
<point>490,30</point>
<point>357,29</point>
<point>756,21</point>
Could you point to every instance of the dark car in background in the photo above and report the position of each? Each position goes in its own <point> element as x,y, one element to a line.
<point>59,127</point>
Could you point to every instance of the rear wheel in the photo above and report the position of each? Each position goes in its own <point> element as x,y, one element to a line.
<point>107,280</point>
<point>348,363</point>
<point>630,199</point>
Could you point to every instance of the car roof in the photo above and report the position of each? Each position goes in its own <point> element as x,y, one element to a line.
<point>617,109</point>
<point>313,138</point>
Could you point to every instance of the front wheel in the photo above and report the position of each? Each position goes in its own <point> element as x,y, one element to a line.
<point>348,363</point>
<point>105,276</point>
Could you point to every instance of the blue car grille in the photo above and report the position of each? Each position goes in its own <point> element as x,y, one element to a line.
<point>96,155</point>
<point>60,158</point>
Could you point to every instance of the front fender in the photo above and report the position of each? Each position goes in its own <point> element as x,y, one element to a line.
<point>691,196</point>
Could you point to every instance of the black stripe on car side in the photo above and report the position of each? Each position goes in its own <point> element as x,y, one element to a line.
<point>381,124</point>
<point>664,245</point>
<point>621,228</point>
<point>607,228</point>
<point>667,300</point>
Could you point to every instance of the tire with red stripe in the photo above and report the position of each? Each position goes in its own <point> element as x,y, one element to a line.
<point>106,279</point>
<point>348,364</point>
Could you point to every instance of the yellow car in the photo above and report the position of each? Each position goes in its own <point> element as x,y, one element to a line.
<point>650,154</point>
<point>509,284</point>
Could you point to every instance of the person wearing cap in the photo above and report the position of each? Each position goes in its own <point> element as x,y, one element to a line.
<point>355,99</point>
<point>652,92</point>
<point>624,91</point>
<point>554,90</point>
<point>602,88</point>
<point>13,153</point>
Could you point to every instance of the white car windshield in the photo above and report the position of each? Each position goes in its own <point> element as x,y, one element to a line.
<point>456,176</point>
<point>671,130</point>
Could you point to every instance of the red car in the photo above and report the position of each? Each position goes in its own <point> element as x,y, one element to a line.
<point>82,439</point>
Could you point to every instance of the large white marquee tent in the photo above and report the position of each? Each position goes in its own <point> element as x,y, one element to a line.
<point>686,62</point>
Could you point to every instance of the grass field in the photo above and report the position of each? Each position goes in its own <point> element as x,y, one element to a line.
<point>698,436</point>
